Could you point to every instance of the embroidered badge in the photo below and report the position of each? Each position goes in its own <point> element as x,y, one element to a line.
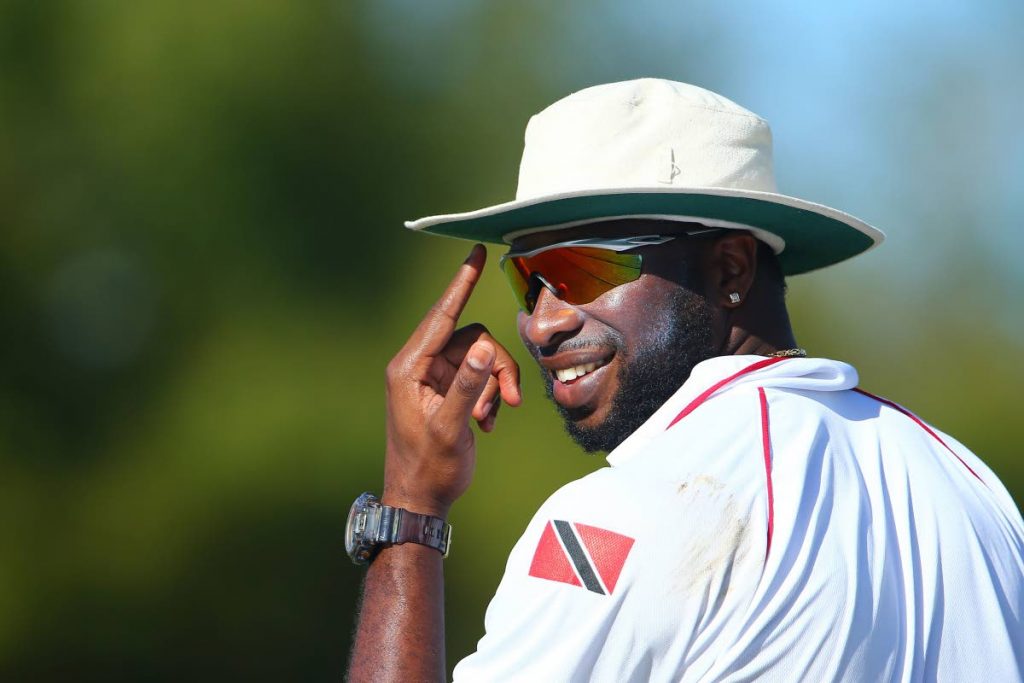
<point>580,555</point>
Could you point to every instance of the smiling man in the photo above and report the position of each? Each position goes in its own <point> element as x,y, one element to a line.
<point>653,333</point>
<point>761,516</point>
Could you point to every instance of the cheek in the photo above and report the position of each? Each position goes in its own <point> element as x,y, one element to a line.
<point>642,315</point>
<point>659,326</point>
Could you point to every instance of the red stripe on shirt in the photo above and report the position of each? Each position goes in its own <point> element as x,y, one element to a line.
<point>922,425</point>
<point>695,403</point>
<point>766,446</point>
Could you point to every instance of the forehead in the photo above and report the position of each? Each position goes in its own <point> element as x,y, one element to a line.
<point>624,227</point>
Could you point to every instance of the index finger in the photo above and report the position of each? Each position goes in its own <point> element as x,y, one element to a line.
<point>437,325</point>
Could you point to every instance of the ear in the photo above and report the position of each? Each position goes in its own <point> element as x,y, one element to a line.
<point>733,261</point>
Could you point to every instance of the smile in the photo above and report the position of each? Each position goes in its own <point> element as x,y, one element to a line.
<point>570,374</point>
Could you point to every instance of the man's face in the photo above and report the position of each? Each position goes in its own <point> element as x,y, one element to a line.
<point>637,342</point>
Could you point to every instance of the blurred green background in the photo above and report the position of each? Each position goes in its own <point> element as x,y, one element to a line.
<point>203,274</point>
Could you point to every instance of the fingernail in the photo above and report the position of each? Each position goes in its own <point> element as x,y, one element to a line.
<point>487,408</point>
<point>480,356</point>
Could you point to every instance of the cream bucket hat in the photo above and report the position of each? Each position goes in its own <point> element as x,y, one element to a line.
<point>652,148</point>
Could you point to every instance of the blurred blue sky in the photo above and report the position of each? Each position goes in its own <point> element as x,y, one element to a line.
<point>907,115</point>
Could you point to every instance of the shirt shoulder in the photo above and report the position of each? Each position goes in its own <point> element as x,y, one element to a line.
<point>635,564</point>
<point>710,465</point>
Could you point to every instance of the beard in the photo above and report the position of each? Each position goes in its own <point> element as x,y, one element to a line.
<point>648,376</point>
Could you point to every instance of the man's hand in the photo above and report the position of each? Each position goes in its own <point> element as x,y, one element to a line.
<point>441,378</point>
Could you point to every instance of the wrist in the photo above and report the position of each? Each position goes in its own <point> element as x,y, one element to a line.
<point>373,525</point>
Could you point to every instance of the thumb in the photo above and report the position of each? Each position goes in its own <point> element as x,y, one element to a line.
<point>469,382</point>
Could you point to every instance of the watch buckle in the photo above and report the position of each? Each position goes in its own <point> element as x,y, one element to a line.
<point>447,540</point>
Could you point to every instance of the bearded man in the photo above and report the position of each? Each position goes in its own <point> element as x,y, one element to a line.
<point>761,517</point>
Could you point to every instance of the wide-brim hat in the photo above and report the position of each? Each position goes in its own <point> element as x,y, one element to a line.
<point>663,150</point>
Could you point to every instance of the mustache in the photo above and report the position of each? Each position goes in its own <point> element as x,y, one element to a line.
<point>609,339</point>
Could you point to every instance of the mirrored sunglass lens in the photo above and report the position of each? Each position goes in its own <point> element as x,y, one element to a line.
<point>518,280</point>
<point>580,274</point>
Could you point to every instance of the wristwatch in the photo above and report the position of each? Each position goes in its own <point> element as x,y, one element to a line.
<point>372,526</point>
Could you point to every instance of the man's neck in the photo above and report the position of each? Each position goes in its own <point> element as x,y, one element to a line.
<point>741,342</point>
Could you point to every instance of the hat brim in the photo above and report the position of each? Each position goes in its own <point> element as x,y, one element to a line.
<point>806,236</point>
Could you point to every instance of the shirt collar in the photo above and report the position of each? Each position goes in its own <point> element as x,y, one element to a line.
<point>729,372</point>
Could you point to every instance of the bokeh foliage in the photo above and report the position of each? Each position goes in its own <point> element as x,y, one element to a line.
<point>203,275</point>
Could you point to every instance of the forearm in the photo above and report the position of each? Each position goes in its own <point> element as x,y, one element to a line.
<point>400,635</point>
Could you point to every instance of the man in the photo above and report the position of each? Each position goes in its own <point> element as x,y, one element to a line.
<point>761,518</point>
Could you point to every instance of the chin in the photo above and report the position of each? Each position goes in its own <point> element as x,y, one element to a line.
<point>594,429</point>
<point>586,425</point>
<point>644,379</point>
<point>593,437</point>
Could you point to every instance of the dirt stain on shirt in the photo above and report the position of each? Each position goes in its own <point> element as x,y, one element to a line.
<point>717,539</point>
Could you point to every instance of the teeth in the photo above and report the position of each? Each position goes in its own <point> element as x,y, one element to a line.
<point>569,374</point>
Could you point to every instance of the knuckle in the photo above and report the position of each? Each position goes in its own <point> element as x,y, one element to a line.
<point>434,429</point>
<point>399,369</point>
<point>393,370</point>
<point>466,384</point>
<point>442,434</point>
<point>509,370</point>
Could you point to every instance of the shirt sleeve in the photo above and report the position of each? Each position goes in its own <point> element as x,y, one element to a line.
<point>627,574</point>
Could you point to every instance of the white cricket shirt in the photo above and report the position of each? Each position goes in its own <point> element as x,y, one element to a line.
<point>769,522</point>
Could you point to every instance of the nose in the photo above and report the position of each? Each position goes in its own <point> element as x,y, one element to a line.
<point>551,320</point>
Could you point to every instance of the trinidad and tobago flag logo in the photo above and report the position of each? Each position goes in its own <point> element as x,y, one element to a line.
<point>580,555</point>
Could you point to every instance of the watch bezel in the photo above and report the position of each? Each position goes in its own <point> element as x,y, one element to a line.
<point>362,529</point>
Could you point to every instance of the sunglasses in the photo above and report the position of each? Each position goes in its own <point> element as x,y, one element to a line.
<point>579,271</point>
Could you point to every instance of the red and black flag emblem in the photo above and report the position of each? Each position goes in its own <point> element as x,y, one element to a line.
<point>580,555</point>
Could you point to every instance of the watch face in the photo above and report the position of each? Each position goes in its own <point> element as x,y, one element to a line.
<point>350,539</point>
<point>361,528</point>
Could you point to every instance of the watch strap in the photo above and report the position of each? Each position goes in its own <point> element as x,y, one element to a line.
<point>413,527</point>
